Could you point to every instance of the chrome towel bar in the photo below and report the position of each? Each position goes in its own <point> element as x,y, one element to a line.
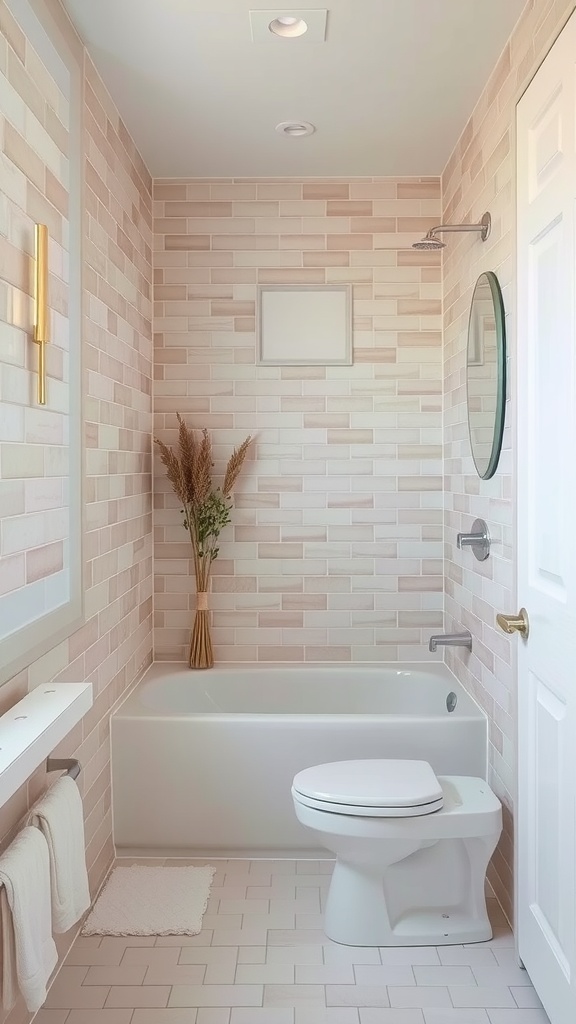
<point>69,765</point>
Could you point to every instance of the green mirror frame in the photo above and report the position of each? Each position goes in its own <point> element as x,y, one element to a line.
<point>486,365</point>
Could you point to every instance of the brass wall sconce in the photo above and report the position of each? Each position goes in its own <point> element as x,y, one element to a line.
<point>41,313</point>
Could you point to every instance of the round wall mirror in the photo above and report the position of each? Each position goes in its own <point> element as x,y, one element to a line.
<point>486,374</point>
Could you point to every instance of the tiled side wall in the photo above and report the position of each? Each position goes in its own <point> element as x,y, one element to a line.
<point>116,641</point>
<point>480,176</point>
<point>34,453</point>
<point>336,544</point>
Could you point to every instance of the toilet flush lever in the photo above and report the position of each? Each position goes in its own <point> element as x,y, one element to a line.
<point>478,540</point>
<point>515,623</point>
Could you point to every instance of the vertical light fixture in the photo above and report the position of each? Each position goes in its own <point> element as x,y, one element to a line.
<point>41,316</point>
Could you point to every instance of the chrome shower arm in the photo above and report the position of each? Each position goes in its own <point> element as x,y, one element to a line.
<point>457,227</point>
<point>483,227</point>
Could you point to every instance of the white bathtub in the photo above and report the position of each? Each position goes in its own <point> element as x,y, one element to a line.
<point>204,761</point>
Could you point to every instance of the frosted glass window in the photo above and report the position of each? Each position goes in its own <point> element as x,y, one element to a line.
<point>302,325</point>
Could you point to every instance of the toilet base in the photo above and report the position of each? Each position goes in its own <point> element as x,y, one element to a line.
<point>369,905</point>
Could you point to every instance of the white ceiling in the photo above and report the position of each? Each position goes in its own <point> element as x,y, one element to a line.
<point>389,91</point>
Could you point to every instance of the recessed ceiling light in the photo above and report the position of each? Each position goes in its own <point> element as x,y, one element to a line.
<point>295,128</point>
<point>288,27</point>
<point>268,26</point>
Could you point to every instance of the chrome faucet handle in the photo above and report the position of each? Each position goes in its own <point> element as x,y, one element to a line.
<point>478,540</point>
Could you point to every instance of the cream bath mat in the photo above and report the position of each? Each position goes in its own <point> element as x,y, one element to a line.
<point>142,900</point>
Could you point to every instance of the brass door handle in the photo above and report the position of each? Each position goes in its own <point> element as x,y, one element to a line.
<point>515,623</point>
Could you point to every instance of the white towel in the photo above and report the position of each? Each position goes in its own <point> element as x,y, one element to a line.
<point>25,874</point>
<point>58,814</point>
<point>9,985</point>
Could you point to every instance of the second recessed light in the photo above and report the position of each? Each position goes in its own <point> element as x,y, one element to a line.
<point>295,128</point>
<point>288,27</point>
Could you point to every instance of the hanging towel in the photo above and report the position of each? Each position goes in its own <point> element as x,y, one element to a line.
<point>27,937</point>
<point>59,816</point>
<point>9,984</point>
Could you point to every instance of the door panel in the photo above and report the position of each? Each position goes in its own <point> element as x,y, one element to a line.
<point>546,474</point>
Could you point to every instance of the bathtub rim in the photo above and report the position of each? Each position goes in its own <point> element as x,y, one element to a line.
<point>437,669</point>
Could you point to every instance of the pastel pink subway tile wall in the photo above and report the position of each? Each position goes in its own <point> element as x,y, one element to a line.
<point>116,641</point>
<point>335,550</point>
<point>480,176</point>
<point>34,171</point>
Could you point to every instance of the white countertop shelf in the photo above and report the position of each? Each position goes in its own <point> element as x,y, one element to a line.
<point>31,730</point>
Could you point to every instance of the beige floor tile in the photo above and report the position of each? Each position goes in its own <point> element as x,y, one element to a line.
<point>265,974</point>
<point>51,1016</point>
<point>470,956</point>
<point>244,906</point>
<point>204,938</point>
<point>239,937</point>
<point>420,995</point>
<point>517,1017</point>
<point>284,888</point>
<point>482,996</point>
<point>435,1015</point>
<point>214,921</point>
<point>216,995</point>
<point>335,954</point>
<point>160,956</point>
<point>526,997</point>
<point>225,956</point>
<point>502,975</point>
<point>126,974</point>
<point>309,903</point>
<point>63,996</point>
<point>220,974</point>
<point>331,1015</point>
<point>294,995</point>
<point>280,920</point>
<point>373,1015</point>
<point>357,995</point>
<point>252,955</point>
<point>310,920</point>
<point>295,937</point>
<point>294,955</point>
<point>100,1017</point>
<point>213,1015</point>
<point>230,892</point>
<point>261,1015</point>
<point>396,974</point>
<point>445,975</point>
<point>325,974</point>
<point>94,956</point>
<point>175,974</point>
<point>411,955</point>
<point>134,996</point>
<point>187,1015</point>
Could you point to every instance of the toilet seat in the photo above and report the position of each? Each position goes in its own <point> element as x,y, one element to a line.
<point>377,788</point>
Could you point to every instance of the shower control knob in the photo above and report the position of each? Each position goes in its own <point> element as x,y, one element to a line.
<point>478,540</point>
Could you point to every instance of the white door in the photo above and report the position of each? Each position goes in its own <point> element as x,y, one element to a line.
<point>546,454</point>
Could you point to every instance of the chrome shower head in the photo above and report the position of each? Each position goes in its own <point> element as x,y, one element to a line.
<point>429,242</point>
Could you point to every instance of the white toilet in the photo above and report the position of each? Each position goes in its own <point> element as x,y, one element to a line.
<point>412,850</point>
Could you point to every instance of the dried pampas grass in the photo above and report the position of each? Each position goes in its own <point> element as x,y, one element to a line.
<point>206,510</point>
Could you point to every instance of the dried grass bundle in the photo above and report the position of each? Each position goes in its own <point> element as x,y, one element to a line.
<point>206,510</point>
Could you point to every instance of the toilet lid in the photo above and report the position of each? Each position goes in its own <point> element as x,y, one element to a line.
<point>371,787</point>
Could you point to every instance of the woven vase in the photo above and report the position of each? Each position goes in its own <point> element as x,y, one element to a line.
<point>201,655</point>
